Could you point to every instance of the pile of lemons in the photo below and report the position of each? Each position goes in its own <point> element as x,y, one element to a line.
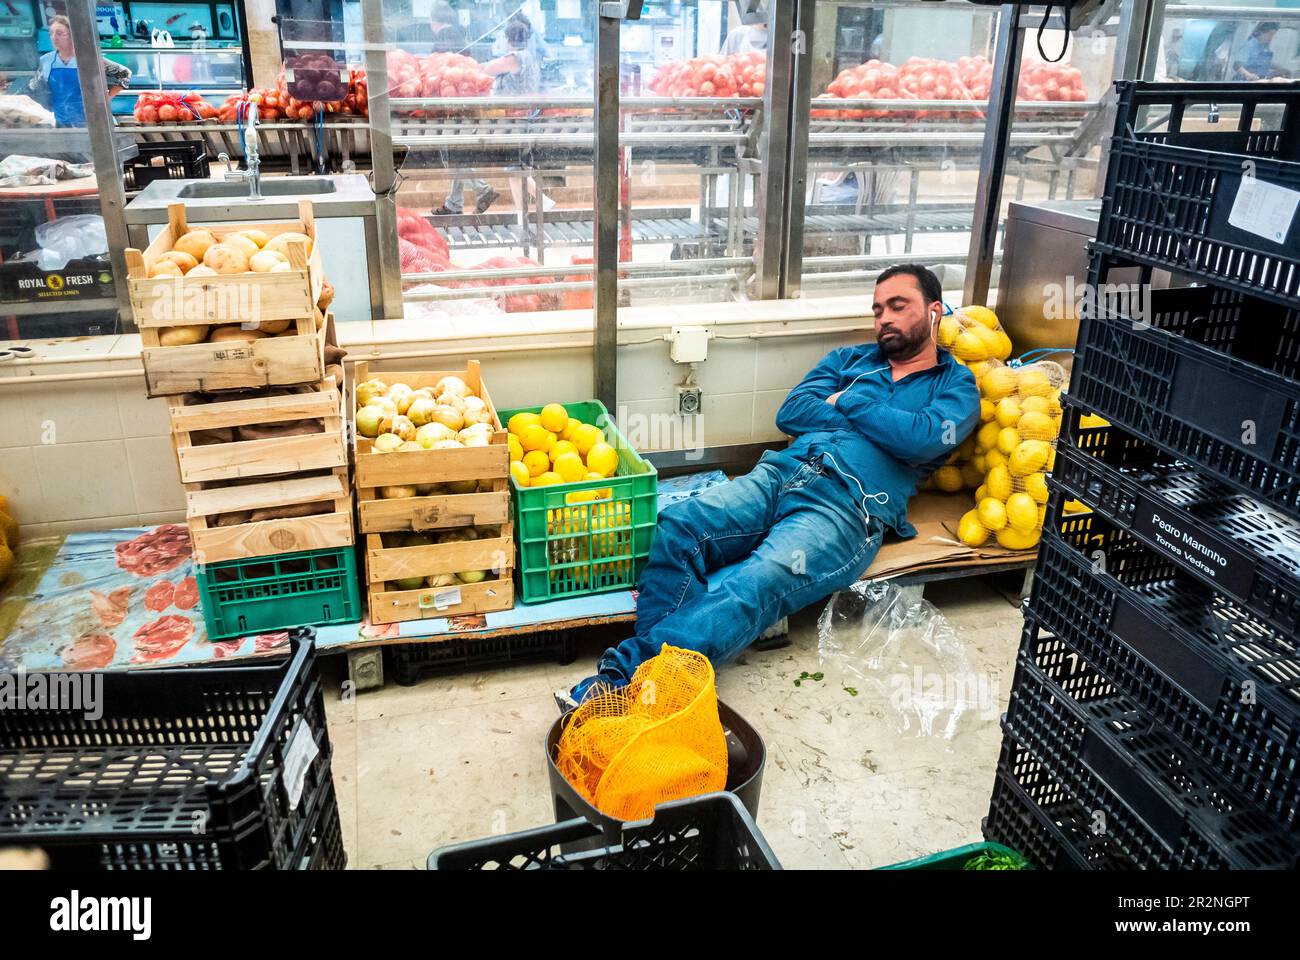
<point>552,447</point>
<point>973,334</point>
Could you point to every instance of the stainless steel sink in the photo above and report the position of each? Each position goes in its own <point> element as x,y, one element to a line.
<point>271,187</point>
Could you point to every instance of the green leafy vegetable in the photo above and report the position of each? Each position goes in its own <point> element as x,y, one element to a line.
<point>997,860</point>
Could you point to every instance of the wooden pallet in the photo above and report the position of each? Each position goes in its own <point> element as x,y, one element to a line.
<point>386,564</point>
<point>308,469</point>
<point>244,298</point>
<point>490,463</point>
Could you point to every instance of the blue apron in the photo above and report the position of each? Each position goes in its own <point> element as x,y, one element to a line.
<point>65,95</point>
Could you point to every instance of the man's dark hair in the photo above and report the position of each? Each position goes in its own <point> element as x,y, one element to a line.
<point>1267,26</point>
<point>930,286</point>
<point>518,29</point>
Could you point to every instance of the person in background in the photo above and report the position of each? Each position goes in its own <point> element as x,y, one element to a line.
<point>56,80</point>
<point>869,423</point>
<point>1171,54</point>
<point>1256,61</point>
<point>746,38</point>
<point>1213,61</point>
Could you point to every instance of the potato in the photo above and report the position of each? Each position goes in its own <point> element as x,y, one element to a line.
<point>274,326</point>
<point>180,336</point>
<point>265,260</point>
<point>182,260</point>
<point>281,241</point>
<point>195,243</point>
<point>257,236</point>
<point>234,332</point>
<point>225,259</point>
<point>202,270</point>
<point>166,268</point>
<point>243,244</point>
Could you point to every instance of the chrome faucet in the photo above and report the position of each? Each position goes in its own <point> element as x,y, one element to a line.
<point>252,158</point>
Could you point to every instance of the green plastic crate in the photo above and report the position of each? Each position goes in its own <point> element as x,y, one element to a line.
<point>571,549</point>
<point>954,859</point>
<point>263,594</point>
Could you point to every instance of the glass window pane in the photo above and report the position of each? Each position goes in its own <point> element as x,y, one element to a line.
<point>1216,42</point>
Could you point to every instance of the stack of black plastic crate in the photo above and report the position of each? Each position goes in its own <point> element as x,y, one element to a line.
<point>1154,719</point>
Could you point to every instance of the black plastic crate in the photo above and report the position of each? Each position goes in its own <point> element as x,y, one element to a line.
<point>407,662</point>
<point>1052,831</point>
<point>1210,531</point>
<point>184,769</point>
<point>1154,799</point>
<point>709,832</point>
<point>1210,375</point>
<point>1261,120</point>
<point>186,160</point>
<point>1170,194</point>
<point>325,848</point>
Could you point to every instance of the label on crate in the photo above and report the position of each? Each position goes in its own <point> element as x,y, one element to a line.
<point>1198,678</point>
<point>1176,535</point>
<point>440,599</point>
<point>298,755</point>
<point>1264,209</point>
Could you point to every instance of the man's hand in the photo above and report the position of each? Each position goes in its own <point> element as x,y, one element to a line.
<point>833,397</point>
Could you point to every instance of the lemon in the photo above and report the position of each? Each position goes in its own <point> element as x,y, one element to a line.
<point>549,441</point>
<point>1042,515</point>
<point>1008,414</point>
<point>1013,539</point>
<point>1037,426</point>
<point>569,429</point>
<point>954,457</point>
<point>998,483</point>
<point>999,382</point>
<point>967,447</point>
<point>994,458</point>
<point>1003,348</point>
<point>987,437</point>
<point>1092,420</point>
<point>948,478</point>
<point>534,437</point>
<point>971,477</point>
<point>561,447</point>
<point>569,466</point>
<point>547,479</point>
<point>980,462</point>
<point>981,315</point>
<point>536,463</point>
<point>554,417</point>
<point>586,437</point>
<point>1022,512</point>
<point>520,472</point>
<point>1036,405</point>
<point>948,330</point>
<point>1033,382</point>
<point>1076,506</point>
<point>1054,406</point>
<point>970,531</point>
<point>980,368</point>
<point>593,475</point>
<point>970,347</point>
<point>1036,486</point>
<point>1028,456</point>
<point>992,345</point>
<point>987,410</point>
<point>516,448</point>
<point>519,421</point>
<point>992,513</point>
<point>981,492</point>
<point>1008,439</point>
<point>602,459</point>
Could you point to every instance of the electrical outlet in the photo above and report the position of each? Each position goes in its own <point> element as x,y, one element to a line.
<point>689,400</point>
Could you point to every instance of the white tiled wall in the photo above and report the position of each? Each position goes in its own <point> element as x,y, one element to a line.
<point>95,454</point>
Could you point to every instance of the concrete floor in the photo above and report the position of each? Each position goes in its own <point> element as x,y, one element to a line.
<point>460,758</point>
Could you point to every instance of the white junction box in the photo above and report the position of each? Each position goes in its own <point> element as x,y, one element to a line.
<point>689,344</point>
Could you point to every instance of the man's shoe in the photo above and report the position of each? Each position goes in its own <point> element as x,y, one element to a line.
<point>485,201</point>
<point>564,700</point>
<point>445,211</point>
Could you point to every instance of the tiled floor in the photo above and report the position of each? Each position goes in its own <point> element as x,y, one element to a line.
<point>459,758</point>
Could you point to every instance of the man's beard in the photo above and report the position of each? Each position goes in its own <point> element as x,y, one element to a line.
<point>899,346</point>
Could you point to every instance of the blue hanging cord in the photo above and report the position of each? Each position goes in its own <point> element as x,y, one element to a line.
<point>1033,356</point>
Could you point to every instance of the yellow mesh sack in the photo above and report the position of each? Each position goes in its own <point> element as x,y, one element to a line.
<point>657,739</point>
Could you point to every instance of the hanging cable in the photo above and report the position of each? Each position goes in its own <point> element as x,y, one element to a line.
<point>1042,27</point>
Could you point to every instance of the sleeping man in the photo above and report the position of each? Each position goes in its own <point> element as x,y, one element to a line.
<point>869,423</point>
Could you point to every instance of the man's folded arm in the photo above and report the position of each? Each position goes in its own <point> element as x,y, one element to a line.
<point>805,410</point>
<point>916,437</point>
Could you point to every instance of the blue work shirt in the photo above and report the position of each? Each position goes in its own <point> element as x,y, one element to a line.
<point>888,435</point>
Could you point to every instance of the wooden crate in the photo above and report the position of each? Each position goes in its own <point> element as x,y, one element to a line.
<point>385,564</point>
<point>440,511</point>
<point>240,298</point>
<point>302,469</point>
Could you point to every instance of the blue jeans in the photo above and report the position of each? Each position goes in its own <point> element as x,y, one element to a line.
<point>728,564</point>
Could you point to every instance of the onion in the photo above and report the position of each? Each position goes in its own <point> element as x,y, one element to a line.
<point>402,427</point>
<point>402,395</point>
<point>452,385</point>
<point>448,416</point>
<point>369,390</point>
<point>431,433</point>
<point>452,400</point>
<point>387,443</point>
<point>397,492</point>
<point>421,410</point>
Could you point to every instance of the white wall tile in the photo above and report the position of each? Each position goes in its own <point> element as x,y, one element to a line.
<point>94,523</point>
<point>75,412</point>
<point>646,373</point>
<point>729,368</point>
<point>728,418</point>
<point>655,424</point>
<point>84,480</point>
<point>154,479</point>
<point>167,516</point>
<point>141,416</point>
<point>20,482</point>
<point>18,427</point>
<point>766,403</point>
<point>783,362</point>
<point>31,531</point>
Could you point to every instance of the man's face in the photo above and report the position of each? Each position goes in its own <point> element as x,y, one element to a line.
<point>904,320</point>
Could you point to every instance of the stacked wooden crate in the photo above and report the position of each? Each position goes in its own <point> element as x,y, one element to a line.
<point>402,533</point>
<point>257,425</point>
